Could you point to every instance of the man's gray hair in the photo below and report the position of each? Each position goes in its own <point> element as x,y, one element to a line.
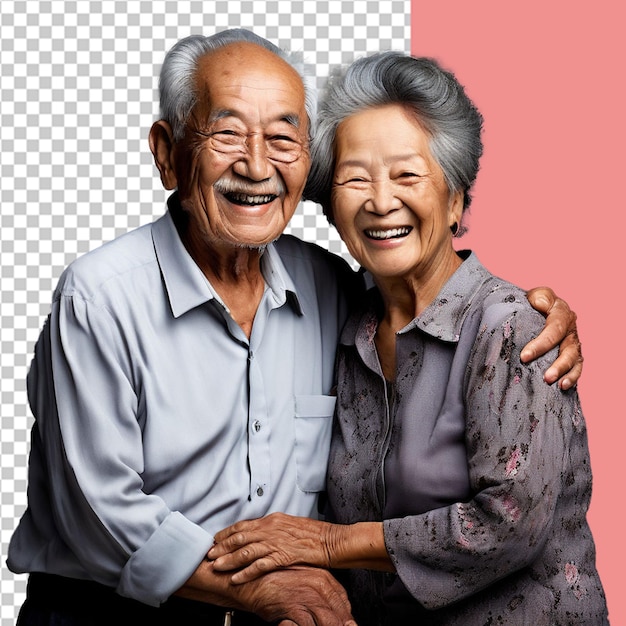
<point>434,95</point>
<point>177,87</point>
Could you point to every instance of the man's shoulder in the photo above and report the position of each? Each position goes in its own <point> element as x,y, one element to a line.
<point>295,249</point>
<point>103,266</point>
<point>291,246</point>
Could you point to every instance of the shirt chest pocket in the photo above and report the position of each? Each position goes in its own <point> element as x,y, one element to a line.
<point>313,425</point>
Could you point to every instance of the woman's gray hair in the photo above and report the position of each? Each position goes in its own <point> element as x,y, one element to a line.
<point>434,95</point>
<point>177,88</point>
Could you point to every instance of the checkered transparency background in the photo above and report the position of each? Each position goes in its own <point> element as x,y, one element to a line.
<point>77,98</point>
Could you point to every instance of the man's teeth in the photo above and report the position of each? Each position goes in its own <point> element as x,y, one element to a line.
<point>388,234</point>
<point>242,198</point>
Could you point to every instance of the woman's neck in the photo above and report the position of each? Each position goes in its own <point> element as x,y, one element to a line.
<point>404,299</point>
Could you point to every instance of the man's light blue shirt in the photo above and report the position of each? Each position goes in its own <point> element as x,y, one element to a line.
<point>158,422</point>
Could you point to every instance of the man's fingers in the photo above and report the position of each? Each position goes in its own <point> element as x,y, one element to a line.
<point>568,367</point>
<point>538,346</point>
<point>304,596</point>
<point>560,329</point>
<point>542,299</point>
<point>567,382</point>
<point>558,325</point>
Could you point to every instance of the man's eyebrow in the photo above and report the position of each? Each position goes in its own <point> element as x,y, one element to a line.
<point>219,114</point>
<point>292,119</point>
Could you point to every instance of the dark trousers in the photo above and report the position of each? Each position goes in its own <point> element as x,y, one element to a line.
<point>59,601</point>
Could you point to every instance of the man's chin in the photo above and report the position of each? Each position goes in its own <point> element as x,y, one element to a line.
<point>260,248</point>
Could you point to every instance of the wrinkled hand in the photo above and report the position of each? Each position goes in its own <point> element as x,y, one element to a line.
<point>560,329</point>
<point>270,543</point>
<point>302,596</point>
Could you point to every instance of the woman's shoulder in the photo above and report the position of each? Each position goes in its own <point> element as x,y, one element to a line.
<point>501,322</point>
<point>499,302</point>
<point>500,299</point>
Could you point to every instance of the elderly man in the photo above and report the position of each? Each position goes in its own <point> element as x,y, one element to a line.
<point>183,378</point>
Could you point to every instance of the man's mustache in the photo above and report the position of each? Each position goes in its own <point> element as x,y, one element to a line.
<point>228,185</point>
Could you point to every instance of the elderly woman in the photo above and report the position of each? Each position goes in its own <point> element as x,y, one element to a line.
<point>458,479</point>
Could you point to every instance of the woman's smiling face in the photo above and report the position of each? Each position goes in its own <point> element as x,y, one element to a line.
<point>390,201</point>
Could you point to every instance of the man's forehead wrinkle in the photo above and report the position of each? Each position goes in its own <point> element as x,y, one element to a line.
<point>257,64</point>
<point>213,115</point>
<point>230,59</point>
<point>229,79</point>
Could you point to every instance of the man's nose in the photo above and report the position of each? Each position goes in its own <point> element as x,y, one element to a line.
<point>255,164</point>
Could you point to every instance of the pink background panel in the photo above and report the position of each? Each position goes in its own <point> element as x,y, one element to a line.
<point>549,205</point>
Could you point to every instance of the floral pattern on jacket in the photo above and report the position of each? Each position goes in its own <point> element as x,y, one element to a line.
<point>509,543</point>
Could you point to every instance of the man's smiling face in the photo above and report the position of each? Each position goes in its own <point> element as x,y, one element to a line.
<point>243,162</point>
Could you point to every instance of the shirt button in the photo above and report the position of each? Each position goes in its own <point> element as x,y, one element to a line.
<point>259,491</point>
<point>257,426</point>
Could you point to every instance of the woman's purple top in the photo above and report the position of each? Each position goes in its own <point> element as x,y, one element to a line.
<point>479,469</point>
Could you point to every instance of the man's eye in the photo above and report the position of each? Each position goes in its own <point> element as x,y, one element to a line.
<point>228,137</point>
<point>280,141</point>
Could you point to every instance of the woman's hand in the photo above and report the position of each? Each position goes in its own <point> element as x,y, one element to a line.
<point>269,543</point>
<point>560,329</point>
<point>279,541</point>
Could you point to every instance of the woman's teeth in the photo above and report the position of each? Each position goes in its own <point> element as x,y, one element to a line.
<point>388,234</point>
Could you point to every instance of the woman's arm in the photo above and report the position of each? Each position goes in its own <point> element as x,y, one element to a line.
<point>278,541</point>
<point>528,464</point>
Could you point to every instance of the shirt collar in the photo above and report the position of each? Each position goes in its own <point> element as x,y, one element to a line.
<point>186,285</point>
<point>443,318</point>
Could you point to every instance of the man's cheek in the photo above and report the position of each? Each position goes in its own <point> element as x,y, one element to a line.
<point>188,173</point>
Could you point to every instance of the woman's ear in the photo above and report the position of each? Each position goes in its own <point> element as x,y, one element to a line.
<point>161,141</point>
<point>455,208</point>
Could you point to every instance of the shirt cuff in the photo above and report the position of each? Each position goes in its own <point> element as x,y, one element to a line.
<point>163,564</point>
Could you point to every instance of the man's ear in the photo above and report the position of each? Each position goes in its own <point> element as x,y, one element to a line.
<point>161,141</point>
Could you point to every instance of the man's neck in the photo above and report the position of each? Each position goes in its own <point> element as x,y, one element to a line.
<point>233,271</point>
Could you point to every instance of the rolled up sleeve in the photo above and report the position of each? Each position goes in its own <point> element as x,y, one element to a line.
<point>82,389</point>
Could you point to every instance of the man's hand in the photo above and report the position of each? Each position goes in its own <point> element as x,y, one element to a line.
<point>560,329</point>
<point>305,596</point>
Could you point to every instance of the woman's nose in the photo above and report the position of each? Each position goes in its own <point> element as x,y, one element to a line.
<point>384,198</point>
